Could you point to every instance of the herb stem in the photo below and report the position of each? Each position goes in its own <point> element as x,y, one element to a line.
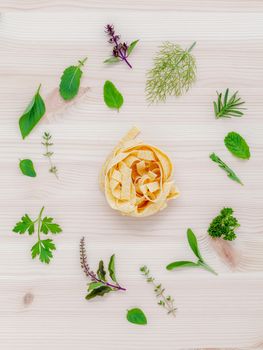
<point>207,267</point>
<point>39,219</point>
<point>81,63</point>
<point>192,46</point>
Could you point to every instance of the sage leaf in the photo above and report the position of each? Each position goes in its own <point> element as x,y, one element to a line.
<point>111,268</point>
<point>193,244</point>
<point>32,115</point>
<point>70,81</point>
<point>136,316</point>
<point>98,292</point>
<point>112,97</point>
<point>27,167</point>
<point>132,46</point>
<point>101,271</point>
<point>237,145</point>
<point>112,60</point>
<point>178,264</point>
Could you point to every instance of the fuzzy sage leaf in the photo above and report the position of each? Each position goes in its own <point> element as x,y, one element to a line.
<point>112,97</point>
<point>194,247</point>
<point>32,115</point>
<point>237,145</point>
<point>136,316</point>
<point>27,167</point>
<point>70,81</point>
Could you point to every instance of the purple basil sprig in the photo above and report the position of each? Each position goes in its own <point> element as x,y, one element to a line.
<point>121,50</point>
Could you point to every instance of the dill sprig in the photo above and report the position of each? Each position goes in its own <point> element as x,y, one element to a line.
<point>47,142</point>
<point>173,73</point>
<point>166,302</point>
<point>228,107</point>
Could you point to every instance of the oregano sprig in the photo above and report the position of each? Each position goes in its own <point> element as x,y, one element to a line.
<point>47,142</point>
<point>195,249</point>
<point>99,284</point>
<point>166,301</point>
<point>43,248</point>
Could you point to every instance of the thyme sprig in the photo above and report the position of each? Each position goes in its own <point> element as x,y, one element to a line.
<point>47,142</point>
<point>167,302</point>
<point>173,73</point>
<point>99,284</point>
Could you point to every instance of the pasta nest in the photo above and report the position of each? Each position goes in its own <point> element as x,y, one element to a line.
<point>137,177</point>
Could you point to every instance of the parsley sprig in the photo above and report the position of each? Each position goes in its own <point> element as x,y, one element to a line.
<point>224,225</point>
<point>227,107</point>
<point>43,248</point>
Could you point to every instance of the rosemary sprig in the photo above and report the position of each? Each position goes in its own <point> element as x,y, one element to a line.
<point>99,284</point>
<point>47,142</point>
<point>228,107</point>
<point>166,302</point>
<point>230,173</point>
<point>173,73</point>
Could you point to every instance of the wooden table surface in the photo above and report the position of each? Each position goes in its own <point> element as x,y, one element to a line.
<point>43,306</point>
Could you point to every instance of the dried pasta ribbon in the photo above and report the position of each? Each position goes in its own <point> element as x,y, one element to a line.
<point>137,177</point>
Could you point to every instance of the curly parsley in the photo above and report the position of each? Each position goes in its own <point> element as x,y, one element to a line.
<point>224,225</point>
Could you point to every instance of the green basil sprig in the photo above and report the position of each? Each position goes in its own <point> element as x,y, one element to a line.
<point>27,167</point>
<point>136,316</point>
<point>112,97</point>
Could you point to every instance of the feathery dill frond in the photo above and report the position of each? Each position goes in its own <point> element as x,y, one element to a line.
<point>173,73</point>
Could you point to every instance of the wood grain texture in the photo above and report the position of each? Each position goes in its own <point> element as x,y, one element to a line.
<point>43,306</point>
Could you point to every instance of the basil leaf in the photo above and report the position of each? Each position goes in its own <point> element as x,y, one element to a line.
<point>94,285</point>
<point>98,292</point>
<point>32,115</point>
<point>136,316</point>
<point>111,268</point>
<point>101,272</point>
<point>112,97</point>
<point>178,264</point>
<point>70,81</point>
<point>193,244</point>
<point>27,167</point>
<point>237,145</point>
<point>112,60</point>
<point>132,46</point>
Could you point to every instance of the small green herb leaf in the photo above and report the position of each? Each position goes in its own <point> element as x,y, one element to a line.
<point>49,226</point>
<point>32,115</point>
<point>43,248</point>
<point>237,145</point>
<point>132,46</point>
<point>178,264</point>
<point>27,167</point>
<point>112,97</point>
<point>111,268</point>
<point>193,244</point>
<point>222,165</point>
<point>136,316</point>
<point>101,271</point>
<point>26,224</point>
<point>98,292</point>
<point>94,285</point>
<point>70,81</point>
<point>112,60</point>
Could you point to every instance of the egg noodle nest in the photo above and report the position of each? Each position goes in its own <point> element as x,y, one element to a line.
<point>137,177</point>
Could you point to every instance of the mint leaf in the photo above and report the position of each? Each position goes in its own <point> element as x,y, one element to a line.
<point>26,224</point>
<point>111,268</point>
<point>193,244</point>
<point>70,81</point>
<point>178,264</point>
<point>230,173</point>
<point>49,226</point>
<point>27,167</point>
<point>237,145</point>
<point>32,115</point>
<point>101,271</point>
<point>43,249</point>
<point>112,60</point>
<point>132,46</point>
<point>112,97</point>
<point>98,292</point>
<point>136,316</point>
